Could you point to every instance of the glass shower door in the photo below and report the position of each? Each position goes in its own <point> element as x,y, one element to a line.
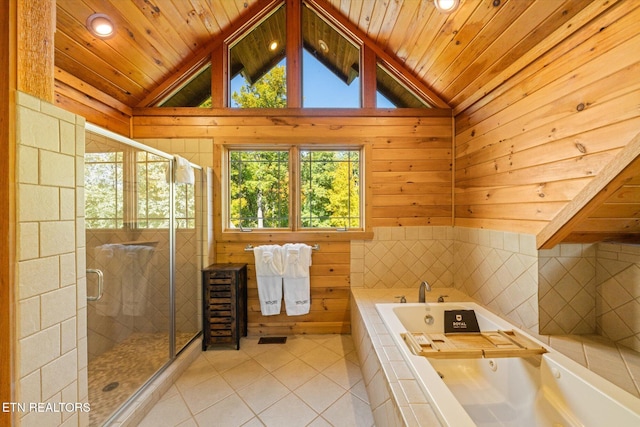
<point>129,241</point>
<point>189,249</point>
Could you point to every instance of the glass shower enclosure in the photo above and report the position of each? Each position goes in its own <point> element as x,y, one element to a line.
<point>143,246</point>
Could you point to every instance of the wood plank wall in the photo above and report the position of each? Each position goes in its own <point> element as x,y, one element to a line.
<point>408,168</point>
<point>95,106</point>
<point>524,150</point>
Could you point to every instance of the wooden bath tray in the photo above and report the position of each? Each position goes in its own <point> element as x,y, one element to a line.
<point>472,345</point>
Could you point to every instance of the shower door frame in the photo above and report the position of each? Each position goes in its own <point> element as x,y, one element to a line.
<point>89,127</point>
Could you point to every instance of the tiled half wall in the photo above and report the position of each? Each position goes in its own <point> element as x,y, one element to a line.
<point>498,269</point>
<point>570,289</point>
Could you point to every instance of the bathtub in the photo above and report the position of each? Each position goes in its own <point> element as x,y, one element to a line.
<point>543,390</point>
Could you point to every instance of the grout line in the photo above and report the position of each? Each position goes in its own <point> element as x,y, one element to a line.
<point>636,382</point>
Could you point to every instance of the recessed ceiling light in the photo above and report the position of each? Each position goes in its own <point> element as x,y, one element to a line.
<point>323,46</point>
<point>100,25</point>
<point>273,45</point>
<point>446,6</point>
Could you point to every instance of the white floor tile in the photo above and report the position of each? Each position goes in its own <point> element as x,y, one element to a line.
<point>230,412</point>
<point>244,374</point>
<point>295,373</point>
<point>171,411</point>
<point>263,393</point>
<point>349,411</point>
<point>330,392</point>
<point>206,393</point>
<point>311,380</point>
<point>290,411</point>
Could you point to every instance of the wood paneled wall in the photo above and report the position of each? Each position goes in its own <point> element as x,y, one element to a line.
<point>94,105</point>
<point>524,150</point>
<point>408,175</point>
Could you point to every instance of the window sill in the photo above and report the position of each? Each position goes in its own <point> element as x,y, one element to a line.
<point>258,236</point>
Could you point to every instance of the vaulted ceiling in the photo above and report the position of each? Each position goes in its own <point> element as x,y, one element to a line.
<point>455,55</point>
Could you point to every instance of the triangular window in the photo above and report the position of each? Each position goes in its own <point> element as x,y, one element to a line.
<point>391,93</point>
<point>257,65</point>
<point>196,92</point>
<point>330,65</point>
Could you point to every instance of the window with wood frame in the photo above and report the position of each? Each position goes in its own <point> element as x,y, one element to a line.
<point>294,189</point>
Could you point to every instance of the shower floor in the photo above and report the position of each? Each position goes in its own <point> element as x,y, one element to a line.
<point>118,373</point>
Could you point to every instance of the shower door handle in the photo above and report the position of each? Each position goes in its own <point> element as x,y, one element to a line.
<point>100,284</point>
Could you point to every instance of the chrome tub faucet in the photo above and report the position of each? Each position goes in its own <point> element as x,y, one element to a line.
<point>424,286</point>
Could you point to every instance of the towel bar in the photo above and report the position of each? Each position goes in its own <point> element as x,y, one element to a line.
<point>249,247</point>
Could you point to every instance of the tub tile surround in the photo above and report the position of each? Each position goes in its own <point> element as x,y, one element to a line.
<point>395,396</point>
<point>398,400</point>
<point>498,269</point>
<point>583,288</point>
<point>51,366</point>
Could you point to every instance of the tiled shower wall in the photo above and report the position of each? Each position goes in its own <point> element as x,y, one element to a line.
<point>618,293</point>
<point>567,289</point>
<point>51,295</point>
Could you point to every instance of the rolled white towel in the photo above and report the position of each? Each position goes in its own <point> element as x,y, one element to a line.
<point>268,260</point>
<point>297,283</point>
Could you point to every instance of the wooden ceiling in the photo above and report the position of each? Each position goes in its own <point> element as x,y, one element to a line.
<point>460,57</point>
<point>455,55</point>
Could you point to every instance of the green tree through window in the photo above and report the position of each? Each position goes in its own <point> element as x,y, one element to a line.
<point>259,180</point>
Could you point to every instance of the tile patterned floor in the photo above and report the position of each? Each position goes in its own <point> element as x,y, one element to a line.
<point>311,380</point>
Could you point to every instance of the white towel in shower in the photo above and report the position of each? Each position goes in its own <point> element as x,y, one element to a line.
<point>268,259</point>
<point>135,281</point>
<point>297,292</point>
<point>108,259</point>
<point>184,171</point>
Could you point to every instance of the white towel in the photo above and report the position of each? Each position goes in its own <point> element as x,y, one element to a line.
<point>184,171</point>
<point>297,292</point>
<point>268,260</point>
<point>126,270</point>
<point>135,281</point>
<point>108,259</point>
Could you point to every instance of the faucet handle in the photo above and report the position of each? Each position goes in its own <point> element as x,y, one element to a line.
<point>442,297</point>
<point>402,298</point>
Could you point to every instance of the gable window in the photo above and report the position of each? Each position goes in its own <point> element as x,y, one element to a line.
<point>257,64</point>
<point>196,92</point>
<point>391,93</point>
<point>294,189</point>
<point>326,65</point>
<point>330,65</point>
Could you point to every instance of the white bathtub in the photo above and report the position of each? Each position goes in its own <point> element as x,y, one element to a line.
<point>548,390</point>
